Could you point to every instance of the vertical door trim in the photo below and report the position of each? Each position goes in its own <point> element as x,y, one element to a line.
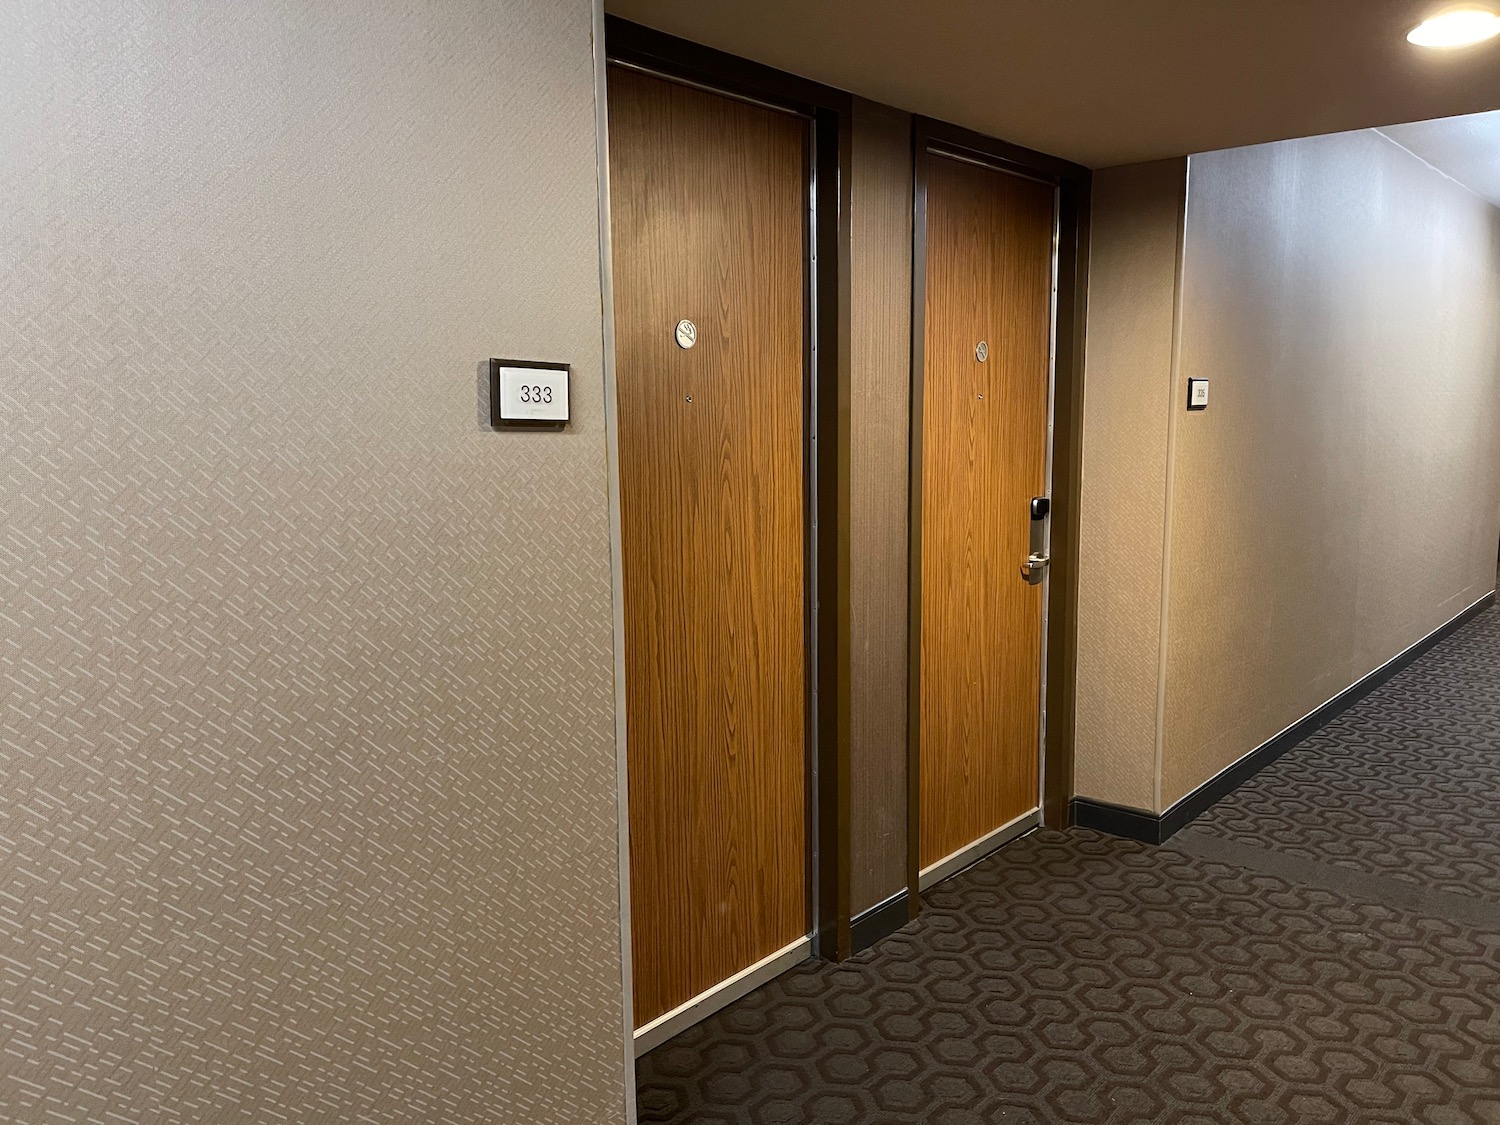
<point>932,138</point>
<point>826,450</point>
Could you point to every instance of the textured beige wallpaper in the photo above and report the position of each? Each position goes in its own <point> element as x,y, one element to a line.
<point>1133,254</point>
<point>1340,497</point>
<point>307,776</point>
<point>880,421</point>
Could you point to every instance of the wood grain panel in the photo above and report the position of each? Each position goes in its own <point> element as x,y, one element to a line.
<point>989,278</point>
<point>880,377</point>
<point>709,198</point>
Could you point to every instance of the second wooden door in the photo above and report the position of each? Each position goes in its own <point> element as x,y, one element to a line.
<point>985,388</point>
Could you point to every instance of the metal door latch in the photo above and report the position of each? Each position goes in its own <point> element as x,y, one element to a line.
<point>1034,569</point>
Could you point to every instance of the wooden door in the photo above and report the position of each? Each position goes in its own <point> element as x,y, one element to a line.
<point>984,451</point>
<point>708,208</point>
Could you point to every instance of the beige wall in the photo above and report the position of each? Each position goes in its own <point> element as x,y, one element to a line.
<point>307,768</point>
<point>880,421</point>
<point>1133,256</point>
<point>1338,500</point>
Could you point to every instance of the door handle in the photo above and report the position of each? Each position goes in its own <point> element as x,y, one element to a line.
<point>1034,569</point>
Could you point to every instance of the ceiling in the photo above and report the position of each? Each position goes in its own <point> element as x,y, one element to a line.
<point>1466,148</point>
<point>1109,81</point>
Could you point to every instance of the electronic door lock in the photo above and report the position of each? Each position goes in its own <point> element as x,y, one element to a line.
<point>1034,569</point>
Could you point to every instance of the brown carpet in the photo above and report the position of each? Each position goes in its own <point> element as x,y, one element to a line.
<point>1324,946</point>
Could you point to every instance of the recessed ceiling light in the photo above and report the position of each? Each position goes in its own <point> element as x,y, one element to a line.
<point>1457,27</point>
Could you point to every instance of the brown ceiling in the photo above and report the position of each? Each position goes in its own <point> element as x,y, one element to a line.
<point>1109,81</point>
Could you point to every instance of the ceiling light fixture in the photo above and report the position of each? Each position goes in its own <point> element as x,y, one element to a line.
<point>1457,27</point>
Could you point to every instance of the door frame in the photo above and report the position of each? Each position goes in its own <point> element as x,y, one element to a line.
<point>825,478</point>
<point>937,139</point>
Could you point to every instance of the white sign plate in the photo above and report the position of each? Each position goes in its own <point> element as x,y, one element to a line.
<point>533,394</point>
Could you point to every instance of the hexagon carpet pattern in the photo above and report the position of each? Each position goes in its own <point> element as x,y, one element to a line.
<point>1078,979</point>
<point>1405,784</point>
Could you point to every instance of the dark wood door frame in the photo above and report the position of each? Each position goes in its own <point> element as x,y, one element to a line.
<point>825,429</point>
<point>936,138</point>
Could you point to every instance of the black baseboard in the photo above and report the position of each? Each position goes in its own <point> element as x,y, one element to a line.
<point>880,921</point>
<point>1134,824</point>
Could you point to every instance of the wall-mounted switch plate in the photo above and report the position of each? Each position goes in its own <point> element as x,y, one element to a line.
<point>528,395</point>
<point>1197,394</point>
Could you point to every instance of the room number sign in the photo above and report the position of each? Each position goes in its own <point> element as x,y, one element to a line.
<point>528,395</point>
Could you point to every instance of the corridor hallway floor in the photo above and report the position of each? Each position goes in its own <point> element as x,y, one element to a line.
<point>1321,946</point>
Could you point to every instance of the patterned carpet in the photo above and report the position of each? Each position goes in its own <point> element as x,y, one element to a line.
<point>1405,784</point>
<point>1324,946</point>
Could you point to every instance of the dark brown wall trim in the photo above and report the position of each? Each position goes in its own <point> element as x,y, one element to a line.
<point>880,379</point>
<point>1133,824</point>
<point>826,429</point>
<point>1073,182</point>
<point>1116,820</point>
<point>880,921</point>
<point>637,45</point>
